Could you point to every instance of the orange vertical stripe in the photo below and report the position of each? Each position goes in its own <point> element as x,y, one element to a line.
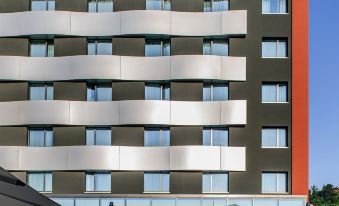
<point>299,97</point>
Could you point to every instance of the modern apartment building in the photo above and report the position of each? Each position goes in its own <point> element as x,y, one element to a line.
<point>156,102</point>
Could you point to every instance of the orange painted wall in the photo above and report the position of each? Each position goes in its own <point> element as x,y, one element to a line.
<point>300,97</point>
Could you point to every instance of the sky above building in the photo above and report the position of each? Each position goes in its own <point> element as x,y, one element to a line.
<point>324,92</point>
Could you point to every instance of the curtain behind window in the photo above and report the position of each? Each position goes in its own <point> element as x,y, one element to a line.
<point>266,7</point>
<point>104,93</point>
<point>103,182</point>
<point>152,182</point>
<point>36,181</point>
<point>269,182</point>
<point>38,49</point>
<point>269,48</point>
<point>220,92</point>
<point>103,137</point>
<point>269,93</point>
<point>282,93</point>
<point>153,92</point>
<point>269,137</point>
<point>220,5</point>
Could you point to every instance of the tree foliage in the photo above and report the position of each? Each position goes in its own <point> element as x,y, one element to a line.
<point>327,196</point>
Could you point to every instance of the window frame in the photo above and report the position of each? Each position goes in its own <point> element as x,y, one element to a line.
<point>44,180</point>
<point>277,85</point>
<point>95,135</point>
<point>95,181</point>
<point>96,86</point>
<point>96,42</point>
<point>275,13</point>
<point>162,8</point>
<point>211,129</point>
<point>162,87</point>
<point>97,7</point>
<point>162,178</point>
<point>277,138</point>
<point>211,8</point>
<point>42,129</point>
<point>211,43</point>
<point>210,86</point>
<point>45,85</point>
<point>47,44</point>
<point>162,43</point>
<point>211,174</point>
<point>161,131</point>
<point>276,41</point>
<point>46,9</point>
<point>277,182</point>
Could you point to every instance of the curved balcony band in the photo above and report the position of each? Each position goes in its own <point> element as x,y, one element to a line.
<point>123,68</point>
<point>139,22</point>
<point>135,112</point>
<point>115,158</point>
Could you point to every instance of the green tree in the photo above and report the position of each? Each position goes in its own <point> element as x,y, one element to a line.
<point>327,196</point>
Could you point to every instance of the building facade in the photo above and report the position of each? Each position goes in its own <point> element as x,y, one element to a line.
<point>156,102</point>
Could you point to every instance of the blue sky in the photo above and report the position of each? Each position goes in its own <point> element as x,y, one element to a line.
<point>324,92</point>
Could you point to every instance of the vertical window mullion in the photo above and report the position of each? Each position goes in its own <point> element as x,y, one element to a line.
<point>44,137</point>
<point>277,137</point>
<point>276,189</point>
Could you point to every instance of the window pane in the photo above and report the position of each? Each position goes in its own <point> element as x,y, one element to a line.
<point>48,182</point>
<point>91,48</point>
<point>50,50</point>
<point>265,202</point>
<point>90,93</point>
<point>167,5</point>
<point>51,5</point>
<point>103,137</point>
<point>207,6</point>
<point>38,49</point>
<point>153,92</point>
<point>104,93</point>
<point>206,183</point>
<point>206,137</point>
<point>269,182</point>
<point>36,138</point>
<point>90,182</point>
<point>282,182</point>
<point>90,137</point>
<point>152,182</point>
<point>166,49</point>
<point>220,47</point>
<point>86,202</point>
<point>39,5</point>
<point>220,137</point>
<point>92,6</point>
<point>274,6</point>
<point>116,202</point>
<point>269,137</point>
<point>291,202</point>
<point>239,202</point>
<point>269,93</point>
<point>49,138</point>
<point>36,181</point>
<point>220,202</point>
<point>166,92</point>
<point>207,202</point>
<point>163,202</point>
<point>282,49</point>
<point>266,6</point>
<point>105,5</point>
<point>165,182</point>
<point>207,92</point>
<point>220,5</point>
<point>188,202</point>
<point>152,137</point>
<point>104,48</point>
<point>282,6</point>
<point>138,202</point>
<point>220,182</point>
<point>282,138</point>
<point>207,50</point>
<point>220,92</point>
<point>64,201</point>
<point>37,92</point>
<point>49,92</point>
<point>103,182</point>
<point>282,93</point>
<point>153,48</point>
<point>269,48</point>
<point>153,5</point>
<point>165,137</point>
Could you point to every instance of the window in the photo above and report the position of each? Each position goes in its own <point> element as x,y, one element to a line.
<point>274,6</point>
<point>98,182</point>
<point>98,136</point>
<point>274,93</point>
<point>215,92</point>
<point>216,5</point>
<point>99,47</point>
<point>274,137</point>
<point>157,91</point>
<point>40,137</point>
<point>215,47</point>
<point>100,6</point>
<point>41,91</point>
<point>40,48</point>
<point>156,137</point>
<point>40,181</point>
<point>274,48</point>
<point>43,5</point>
<point>158,5</point>
<point>274,182</point>
<point>215,137</point>
<point>157,48</point>
<point>99,92</point>
<point>156,182</point>
<point>215,182</point>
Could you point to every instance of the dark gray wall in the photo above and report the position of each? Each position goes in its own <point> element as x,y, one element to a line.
<point>186,136</point>
<point>127,182</point>
<point>123,5</point>
<point>186,91</point>
<point>186,182</point>
<point>128,136</point>
<point>69,182</point>
<point>7,6</point>
<point>70,46</point>
<point>258,114</point>
<point>74,91</point>
<point>128,91</point>
<point>13,136</point>
<point>186,45</point>
<point>13,91</point>
<point>69,136</point>
<point>71,5</point>
<point>14,47</point>
<point>128,46</point>
<point>188,5</point>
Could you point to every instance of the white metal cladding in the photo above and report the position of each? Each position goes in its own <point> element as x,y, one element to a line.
<point>124,22</point>
<point>174,158</point>
<point>123,68</point>
<point>232,112</point>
